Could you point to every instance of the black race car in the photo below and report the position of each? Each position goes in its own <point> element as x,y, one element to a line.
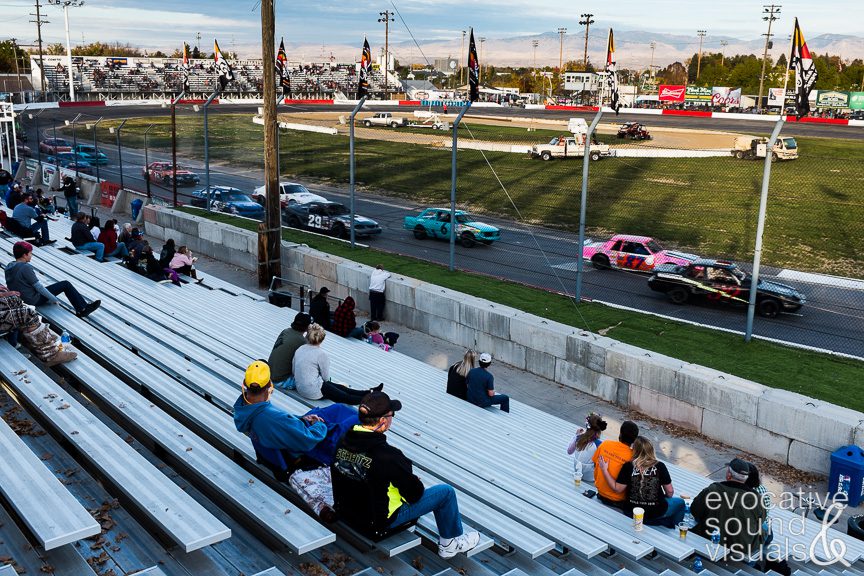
<point>723,281</point>
<point>328,218</point>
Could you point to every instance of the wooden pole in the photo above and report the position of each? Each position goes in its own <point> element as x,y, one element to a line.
<point>270,231</point>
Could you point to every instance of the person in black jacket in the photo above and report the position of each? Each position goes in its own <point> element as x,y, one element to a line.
<point>375,490</point>
<point>82,238</point>
<point>319,308</point>
<point>70,192</point>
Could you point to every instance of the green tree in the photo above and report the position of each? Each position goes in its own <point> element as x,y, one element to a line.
<point>10,52</point>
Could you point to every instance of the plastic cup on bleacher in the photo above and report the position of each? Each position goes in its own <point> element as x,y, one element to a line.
<point>577,479</point>
<point>683,528</point>
<point>638,519</point>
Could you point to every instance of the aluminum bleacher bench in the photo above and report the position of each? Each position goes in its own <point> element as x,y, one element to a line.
<point>270,572</point>
<point>180,517</point>
<point>220,474</point>
<point>53,515</point>
<point>8,570</point>
<point>152,571</point>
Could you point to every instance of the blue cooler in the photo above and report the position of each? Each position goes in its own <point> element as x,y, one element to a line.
<point>847,473</point>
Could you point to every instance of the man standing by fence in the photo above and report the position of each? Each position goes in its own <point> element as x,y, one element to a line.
<point>377,284</point>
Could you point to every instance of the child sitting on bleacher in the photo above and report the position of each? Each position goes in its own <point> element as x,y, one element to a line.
<point>584,444</point>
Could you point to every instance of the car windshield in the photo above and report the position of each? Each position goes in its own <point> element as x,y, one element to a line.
<point>235,197</point>
<point>739,274</point>
<point>791,144</point>
<point>336,210</point>
<point>89,149</point>
<point>654,246</point>
<point>294,189</point>
<point>464,218</point>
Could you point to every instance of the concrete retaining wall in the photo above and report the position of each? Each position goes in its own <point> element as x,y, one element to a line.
<point>779,425</point>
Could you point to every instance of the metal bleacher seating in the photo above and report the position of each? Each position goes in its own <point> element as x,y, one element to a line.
<point>186,348</point>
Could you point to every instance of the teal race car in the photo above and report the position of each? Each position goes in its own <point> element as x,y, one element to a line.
<point>435,223</point>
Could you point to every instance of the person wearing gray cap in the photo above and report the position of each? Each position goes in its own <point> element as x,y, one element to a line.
<point>734,510</point>
<point>282,355</point>
<point>481,386</point>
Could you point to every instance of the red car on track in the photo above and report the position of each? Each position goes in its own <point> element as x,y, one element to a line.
<point>163,173</point>
<point>637,253</point>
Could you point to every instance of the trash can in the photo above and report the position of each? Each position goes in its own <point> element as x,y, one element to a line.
<point>136,206</point>
<point>847,473</point>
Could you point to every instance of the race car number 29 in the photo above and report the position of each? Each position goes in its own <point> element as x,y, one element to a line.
<point>316,221</point>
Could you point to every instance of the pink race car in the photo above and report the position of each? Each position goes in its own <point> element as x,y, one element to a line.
<point>637,253</point>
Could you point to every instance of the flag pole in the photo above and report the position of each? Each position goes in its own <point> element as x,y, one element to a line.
<point>174,145</point>
<point>786,75</point>
<point>351,160</point>
<point>207,145</point>
<point>760,227</point>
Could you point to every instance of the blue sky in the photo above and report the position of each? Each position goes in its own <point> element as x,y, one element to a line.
<point>164,24</point>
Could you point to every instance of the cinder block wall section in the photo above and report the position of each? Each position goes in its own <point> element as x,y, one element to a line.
<point>779,425</point>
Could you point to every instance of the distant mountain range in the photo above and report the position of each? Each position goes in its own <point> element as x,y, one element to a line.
<point>632,48</point>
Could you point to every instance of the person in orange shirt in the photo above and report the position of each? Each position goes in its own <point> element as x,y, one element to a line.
<point>614,454</point>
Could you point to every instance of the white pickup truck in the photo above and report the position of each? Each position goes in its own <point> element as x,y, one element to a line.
<point>569,147</point>
<point>385,119</point>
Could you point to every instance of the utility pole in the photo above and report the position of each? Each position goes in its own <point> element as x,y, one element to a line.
<point>386,18</point>
<point>770,12</point>
<point>723,44</point>
<point>561,32</point>
<point>535,43</point>
<point>39,22</point>
<point>586,21</point>
<point>701,34</point>
<point>269,231</point>
<point>463,62</point>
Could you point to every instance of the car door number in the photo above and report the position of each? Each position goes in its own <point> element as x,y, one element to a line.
<point>317,221</point>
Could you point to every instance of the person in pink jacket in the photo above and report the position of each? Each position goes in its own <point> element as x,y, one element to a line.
<point>183,262</point>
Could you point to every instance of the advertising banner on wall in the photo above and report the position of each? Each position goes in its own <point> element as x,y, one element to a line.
<point>724,96</point>
<point>671,92</point>
<point>697,94</point>
<point>856,100</point>
<point>776,99</point>
<point>832,99</point>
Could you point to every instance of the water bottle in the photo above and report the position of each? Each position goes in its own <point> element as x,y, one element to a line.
<point>715,536</point>
<point>688,517</point>
<point>65,341</point>
<point>697,565</point>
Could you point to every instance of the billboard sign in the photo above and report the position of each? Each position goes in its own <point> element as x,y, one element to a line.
<point>832,99</point>
<point>671,92</point>
<point>697,94</point>
<point>856,100</point>
<point>724,96</point>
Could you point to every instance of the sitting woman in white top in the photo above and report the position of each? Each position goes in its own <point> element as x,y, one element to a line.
<point>311,368</point>
<point>584,443</point>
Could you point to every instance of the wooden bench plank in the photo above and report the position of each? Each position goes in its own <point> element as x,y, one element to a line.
<point>53,515</point>
<point>280,517</point>
<point>174,511</point>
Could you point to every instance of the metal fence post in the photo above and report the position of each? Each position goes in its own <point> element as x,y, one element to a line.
<point>207,146</point>
<point>453,186</point>
<point>760,227</point>
<point>583,203</point>
<point>351,161</point>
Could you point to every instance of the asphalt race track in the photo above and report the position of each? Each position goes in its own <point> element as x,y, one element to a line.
<point>832,319</point>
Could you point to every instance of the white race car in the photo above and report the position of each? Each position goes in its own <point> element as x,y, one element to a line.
<point>289,193</point>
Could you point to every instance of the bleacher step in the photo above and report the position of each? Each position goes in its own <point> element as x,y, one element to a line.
<point>270,572</point>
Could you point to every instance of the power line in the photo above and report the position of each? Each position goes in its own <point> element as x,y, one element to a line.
<point>39,22</point>
<point>769,11</point>
<point>586,21</point>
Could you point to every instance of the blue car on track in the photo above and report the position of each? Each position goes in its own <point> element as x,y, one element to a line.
<point>90,154</point>
<point>229,200</point>
<point>435,223</point>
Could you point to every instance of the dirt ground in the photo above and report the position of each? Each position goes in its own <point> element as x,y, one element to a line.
<point>676,138</point>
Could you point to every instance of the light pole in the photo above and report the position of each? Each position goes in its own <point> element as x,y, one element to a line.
<point>35,118</point>
<point>66,4</point>
<point>534,44</point>
<point>117,130</point>
<point>651,67</point>
<point>561,32</point>
<point>74,142</point>
<point>586,21</point>
<point>95,145</point>
<point>770,12</point>
<point>701,34</point>
<point>386,18</point>
<point>147,160</point>
<point>461,54</point>
<point>482,60</point>
<point>723,44</point>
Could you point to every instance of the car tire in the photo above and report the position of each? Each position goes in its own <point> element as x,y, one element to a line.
<point>774,157</point>
<point>739,155</point>
<point>546,155</point>
<point>595,156</point>
<point>166,180</point>
<point>600,262</point>
<point>467,239</point>
<point>678,295</point>
<point>420,233</point>
<point>367,123</point>
<point>394,124</point>
<point>341,231</point>
<point>292,221</point>
<point>768,308</point>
